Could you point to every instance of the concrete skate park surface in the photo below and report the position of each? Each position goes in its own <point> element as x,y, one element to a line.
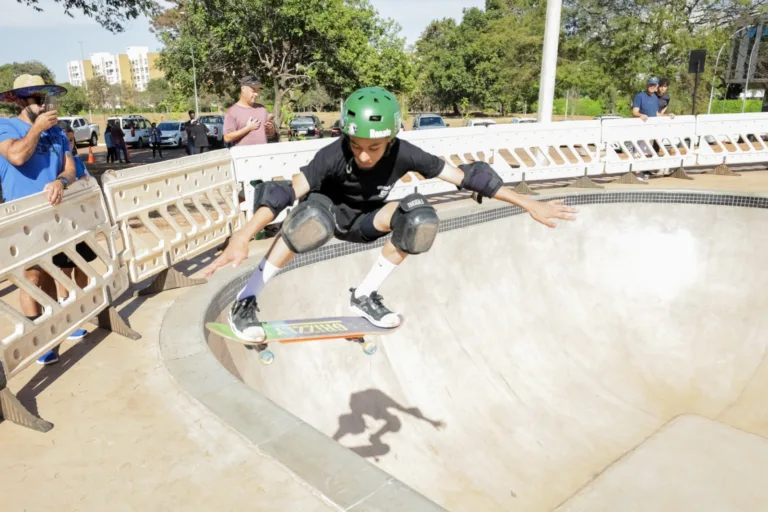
<point>615,363</point>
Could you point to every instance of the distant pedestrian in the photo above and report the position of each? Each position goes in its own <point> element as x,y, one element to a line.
<point>247,122</point>
<point>198,134</point>
<point>109,143</point>
<point>154,139</point>
<point>118,139</point>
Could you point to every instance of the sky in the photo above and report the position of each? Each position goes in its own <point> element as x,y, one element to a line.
<point>54,38</point>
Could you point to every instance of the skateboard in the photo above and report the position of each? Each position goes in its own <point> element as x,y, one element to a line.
<point>352,328</point>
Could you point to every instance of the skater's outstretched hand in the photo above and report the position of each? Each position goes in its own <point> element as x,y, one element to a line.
<point>545,212</point>
<point>235,253</point>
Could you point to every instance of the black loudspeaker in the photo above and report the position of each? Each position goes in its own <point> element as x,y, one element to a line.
<point>696,61</point>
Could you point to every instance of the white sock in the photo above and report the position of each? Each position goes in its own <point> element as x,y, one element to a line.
<point>378,274</point>
<point>260,277</point>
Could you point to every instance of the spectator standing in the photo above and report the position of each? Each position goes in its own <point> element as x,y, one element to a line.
<point>118,139</point>
<point>664,98</point>
<point>198,134</point>
<point>35,157</point>
<point>108,142</point>
<point>646,103</point>
<point>190,141</point>
<point>154,139</point>
<point>247,122</point>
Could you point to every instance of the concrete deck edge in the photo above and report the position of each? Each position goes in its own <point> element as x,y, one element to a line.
<point>335,473</point>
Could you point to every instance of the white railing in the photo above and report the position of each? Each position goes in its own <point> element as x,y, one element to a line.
<point>657,143</point>
<point>732,138</point>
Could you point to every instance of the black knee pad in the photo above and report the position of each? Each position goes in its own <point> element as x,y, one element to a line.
<point>310,225</point>
<point>275,195</point>
<point>414,224</point>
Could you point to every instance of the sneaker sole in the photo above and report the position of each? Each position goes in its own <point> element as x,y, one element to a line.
<point>244,336</point>
<point>360,312</point>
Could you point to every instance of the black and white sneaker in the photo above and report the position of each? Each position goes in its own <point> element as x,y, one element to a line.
<point>244,322</point>
<point>372,308</point>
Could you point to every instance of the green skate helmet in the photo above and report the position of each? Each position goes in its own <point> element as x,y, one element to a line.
<point>371,113</point>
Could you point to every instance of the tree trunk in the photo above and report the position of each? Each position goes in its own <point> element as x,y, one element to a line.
<point>277,109</point>
<point>456,110</point>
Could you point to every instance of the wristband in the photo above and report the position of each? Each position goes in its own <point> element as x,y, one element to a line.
<point>64,181</point>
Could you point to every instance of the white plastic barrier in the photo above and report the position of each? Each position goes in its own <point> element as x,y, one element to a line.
<point>31,233</point>
<point>455,145</point>
<point>732,138</point>
<point>201,188</point>
<point>268,162</point>
<point>658,143</point>
<point>546,151</point>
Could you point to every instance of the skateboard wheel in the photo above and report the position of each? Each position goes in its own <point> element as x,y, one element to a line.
<point>369,347</point>
<point>266,357</point>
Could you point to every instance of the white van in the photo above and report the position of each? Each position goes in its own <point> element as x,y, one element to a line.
<point>136,129</point>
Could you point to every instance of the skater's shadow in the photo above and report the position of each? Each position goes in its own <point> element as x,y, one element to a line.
<point>376,405</point>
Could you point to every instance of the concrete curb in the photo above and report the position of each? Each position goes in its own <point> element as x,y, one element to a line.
<point>340,476</point>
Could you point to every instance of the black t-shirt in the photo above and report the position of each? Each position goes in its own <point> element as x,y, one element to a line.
<point>663,102</point>
<point>334,173</point>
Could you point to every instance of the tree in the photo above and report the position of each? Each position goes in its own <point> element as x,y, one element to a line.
<point>75,101</point>
<point>99,92</point>
<point>290,44</point>
<point>110,14</point>
<point>157,91</point>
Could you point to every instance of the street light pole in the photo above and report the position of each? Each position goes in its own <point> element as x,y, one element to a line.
<point>85,81</point>
<point>194,78</point>
<point>549,61</point>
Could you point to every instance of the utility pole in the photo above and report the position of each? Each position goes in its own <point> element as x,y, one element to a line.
<point>85,80</point>
<point>549,60</point>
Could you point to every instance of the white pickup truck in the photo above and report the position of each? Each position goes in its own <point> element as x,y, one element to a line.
<point>84,132</point>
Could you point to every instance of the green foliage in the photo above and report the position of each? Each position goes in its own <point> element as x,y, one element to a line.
<point>607,50</point>
<point>293,45</point>
<point>579,107</point>
<point>74,102</point>
<point>733,106</point>
<point>110,14</point>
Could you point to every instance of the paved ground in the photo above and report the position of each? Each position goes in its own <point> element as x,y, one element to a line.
<point>126,435</point>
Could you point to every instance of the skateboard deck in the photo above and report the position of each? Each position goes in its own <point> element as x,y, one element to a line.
<point>352,328</point>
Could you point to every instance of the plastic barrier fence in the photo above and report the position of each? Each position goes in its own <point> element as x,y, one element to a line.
<point>32,232</point>
<point>172,211</point>
<point>732,138</point>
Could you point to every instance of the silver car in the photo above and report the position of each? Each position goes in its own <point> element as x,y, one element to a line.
<point>428,122</point>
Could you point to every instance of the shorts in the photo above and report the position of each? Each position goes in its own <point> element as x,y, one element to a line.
<point>353,225</point>
<point>61,260</point>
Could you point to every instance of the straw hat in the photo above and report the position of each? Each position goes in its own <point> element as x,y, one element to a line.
<point>27,86</point>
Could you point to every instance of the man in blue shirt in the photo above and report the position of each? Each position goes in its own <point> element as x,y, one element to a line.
<point>646,103</point>
<point>34,157</point>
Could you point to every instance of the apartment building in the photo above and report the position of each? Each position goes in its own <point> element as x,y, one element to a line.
<point>136,67</point>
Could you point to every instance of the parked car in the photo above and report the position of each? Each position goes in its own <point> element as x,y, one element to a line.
<point>136,129</point>
<point>308,127</point>
<point>215,126</point>
<point>523,120</point>
<point>336,129</point>
<point>84,132</point>
<point>173,133</point>
<point>428,122</point>
<point>479,122</point>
